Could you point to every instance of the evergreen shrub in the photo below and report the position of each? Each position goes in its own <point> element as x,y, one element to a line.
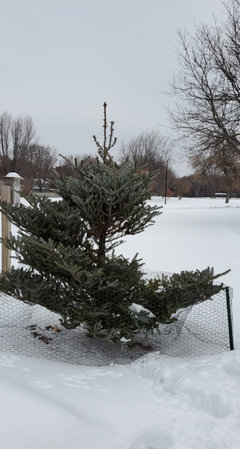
<point>66,253</point>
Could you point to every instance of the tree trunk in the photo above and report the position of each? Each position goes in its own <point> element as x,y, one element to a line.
<point>102,248</point>
<point>229,187</point>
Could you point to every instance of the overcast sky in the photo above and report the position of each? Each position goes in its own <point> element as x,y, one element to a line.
<point>61,59</point>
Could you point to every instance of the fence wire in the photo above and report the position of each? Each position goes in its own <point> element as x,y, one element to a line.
<point>36,332</point>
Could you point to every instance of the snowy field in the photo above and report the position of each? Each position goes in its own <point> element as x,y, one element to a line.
<point>155,402</point>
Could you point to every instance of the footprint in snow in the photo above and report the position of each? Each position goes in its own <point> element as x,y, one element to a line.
<point>154,438</point>
<point>208,402</point>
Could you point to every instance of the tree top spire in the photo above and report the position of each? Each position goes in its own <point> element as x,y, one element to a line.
<point>108,142</point>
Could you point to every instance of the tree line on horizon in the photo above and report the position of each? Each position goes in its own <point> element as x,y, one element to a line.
<point>21,152</point>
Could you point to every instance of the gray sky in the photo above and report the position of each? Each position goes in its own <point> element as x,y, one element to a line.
<point>61,59</point>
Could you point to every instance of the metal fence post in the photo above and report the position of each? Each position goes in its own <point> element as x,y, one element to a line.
<point>229,315</point>
<point>6,227</point>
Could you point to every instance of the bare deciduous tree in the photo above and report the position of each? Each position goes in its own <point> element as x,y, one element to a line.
<point>16,135</point>
<point>22,136</point>
<point>208,87</point>
<point>36,164</point>
<point>5,136</point>
<point>5,126</point>
<point>150,151</point>
<point>19,150</point>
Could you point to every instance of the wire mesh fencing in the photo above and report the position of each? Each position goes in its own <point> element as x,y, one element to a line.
<point>34,331</point>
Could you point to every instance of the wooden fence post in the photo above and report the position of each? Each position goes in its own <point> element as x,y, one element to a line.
<point>6,227</point>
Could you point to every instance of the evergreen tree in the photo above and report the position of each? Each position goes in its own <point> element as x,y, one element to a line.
<point>66,252</point>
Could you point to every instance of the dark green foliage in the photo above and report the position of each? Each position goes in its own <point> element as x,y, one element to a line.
<point>165,295</point>
<point>66,249</point>
<point>112,200</point>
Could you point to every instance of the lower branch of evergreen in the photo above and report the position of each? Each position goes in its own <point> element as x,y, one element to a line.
<point>113,303</point>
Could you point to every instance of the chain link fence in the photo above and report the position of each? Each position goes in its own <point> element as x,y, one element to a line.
<point>205,328</point>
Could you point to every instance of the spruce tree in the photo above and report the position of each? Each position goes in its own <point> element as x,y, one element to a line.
<point>67,259</point>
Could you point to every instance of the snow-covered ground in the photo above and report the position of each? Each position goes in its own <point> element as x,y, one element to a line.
<point>155,402</point>
<point>193,233</point>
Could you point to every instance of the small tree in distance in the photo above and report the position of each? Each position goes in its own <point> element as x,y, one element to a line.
<point>20,151</point>
<point>150,151</point>
<point>67,251</point>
